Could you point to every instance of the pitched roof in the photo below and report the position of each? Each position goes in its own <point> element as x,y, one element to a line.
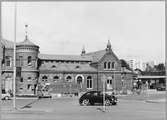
<point>64,57</point>
<point>70,67</point>
<point>10,44</point>
<point>7,43</point>
<point>96,56</point>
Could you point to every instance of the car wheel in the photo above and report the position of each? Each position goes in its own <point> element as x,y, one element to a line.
<point>107,102</point>
<point>114,103</point>
<point>7,98</point>
<point>85,102</point>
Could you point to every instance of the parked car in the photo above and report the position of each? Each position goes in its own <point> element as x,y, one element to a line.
<point>160,87</point>
<point>5,95</point>
<point>44,94</point>
<point>92,97</point>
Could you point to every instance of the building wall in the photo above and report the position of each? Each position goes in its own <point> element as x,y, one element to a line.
<point>27,83</point>
<point>32,74</point>
<point>29,71</point>
<point>62,81</point>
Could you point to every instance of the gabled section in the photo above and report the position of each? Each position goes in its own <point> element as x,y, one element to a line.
<point>98,55</point>
<point>7,44</point>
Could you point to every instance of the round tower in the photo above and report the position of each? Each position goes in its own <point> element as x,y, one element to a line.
<point>26,62</point>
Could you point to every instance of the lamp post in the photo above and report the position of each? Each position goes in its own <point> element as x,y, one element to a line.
<point>104,80</point>
<point>14,57</point>
<point>122,83</point>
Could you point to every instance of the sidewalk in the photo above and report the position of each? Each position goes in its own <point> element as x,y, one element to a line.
<point>21,105</point>
<point>156,101</point>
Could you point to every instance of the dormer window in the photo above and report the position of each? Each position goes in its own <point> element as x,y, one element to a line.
<point>53,66</point>
<point>77,67</point>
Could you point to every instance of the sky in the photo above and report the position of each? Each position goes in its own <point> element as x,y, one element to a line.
<point>136,30</point>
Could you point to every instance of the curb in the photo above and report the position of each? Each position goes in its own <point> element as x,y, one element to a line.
<point>156,101</point>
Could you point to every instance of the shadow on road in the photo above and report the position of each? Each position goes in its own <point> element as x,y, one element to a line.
<point>29,105</point>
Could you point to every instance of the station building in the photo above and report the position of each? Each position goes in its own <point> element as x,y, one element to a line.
<point>61,73</point>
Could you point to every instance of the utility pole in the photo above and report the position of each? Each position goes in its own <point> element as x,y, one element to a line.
<point>14,56</point>
<point>104,81</point>
<point>114,82</point>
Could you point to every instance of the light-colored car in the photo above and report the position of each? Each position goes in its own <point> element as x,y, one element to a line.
<point>5,96</point>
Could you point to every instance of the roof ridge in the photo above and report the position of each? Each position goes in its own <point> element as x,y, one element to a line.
<point>95,52</point>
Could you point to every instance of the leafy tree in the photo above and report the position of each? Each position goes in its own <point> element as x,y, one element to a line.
<point>125,64</point>
<point>149,68</point>
<point>160,67</point>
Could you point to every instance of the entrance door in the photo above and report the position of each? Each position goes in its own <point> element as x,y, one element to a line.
<point>8,84</point>
<point>109,83</point>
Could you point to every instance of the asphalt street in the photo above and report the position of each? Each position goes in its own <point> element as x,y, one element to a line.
<point>68,108</point>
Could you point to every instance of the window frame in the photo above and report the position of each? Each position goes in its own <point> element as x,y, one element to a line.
<point>89,82</point>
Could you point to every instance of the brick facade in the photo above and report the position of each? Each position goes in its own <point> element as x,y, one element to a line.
<point>63,73</point>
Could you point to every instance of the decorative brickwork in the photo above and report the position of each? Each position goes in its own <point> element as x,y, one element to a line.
<point>62,73</point>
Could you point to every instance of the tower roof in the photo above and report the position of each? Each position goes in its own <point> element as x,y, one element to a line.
<point>26,42</point>
<point>83,51</point>
<point>109,44</point>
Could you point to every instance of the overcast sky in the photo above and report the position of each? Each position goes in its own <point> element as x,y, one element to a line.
<point>135,29</point>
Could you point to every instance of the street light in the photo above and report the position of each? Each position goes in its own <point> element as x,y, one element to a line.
<point>104,80</point>
<point>122,83</point>
<point>14,57</point>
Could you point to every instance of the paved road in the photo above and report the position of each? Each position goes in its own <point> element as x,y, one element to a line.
<point>69,109</point>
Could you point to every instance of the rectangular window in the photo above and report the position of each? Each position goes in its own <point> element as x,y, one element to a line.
<point>89,84</point>
<point>8,61</point>
<point>21,79</point>
<point>29,60</point>
<point>29,86</point>
<point>20,60</point>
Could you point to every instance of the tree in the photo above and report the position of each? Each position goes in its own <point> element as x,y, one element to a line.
<point>160,67</point>
<point>125,64</point>
<point>149,68</point>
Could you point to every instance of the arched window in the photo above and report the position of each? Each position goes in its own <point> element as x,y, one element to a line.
<point>68,78</point>
<point>79,80</point>
<point>56,78</point>
<point>109,65</point>
<point>44,78</point>
<point>53,66</point>
<point>109,81</point>
<point>105,65</point>
<point>113,65</point>
<point>29,60</point>
<point>77,67</point>
<point>89,82</point>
